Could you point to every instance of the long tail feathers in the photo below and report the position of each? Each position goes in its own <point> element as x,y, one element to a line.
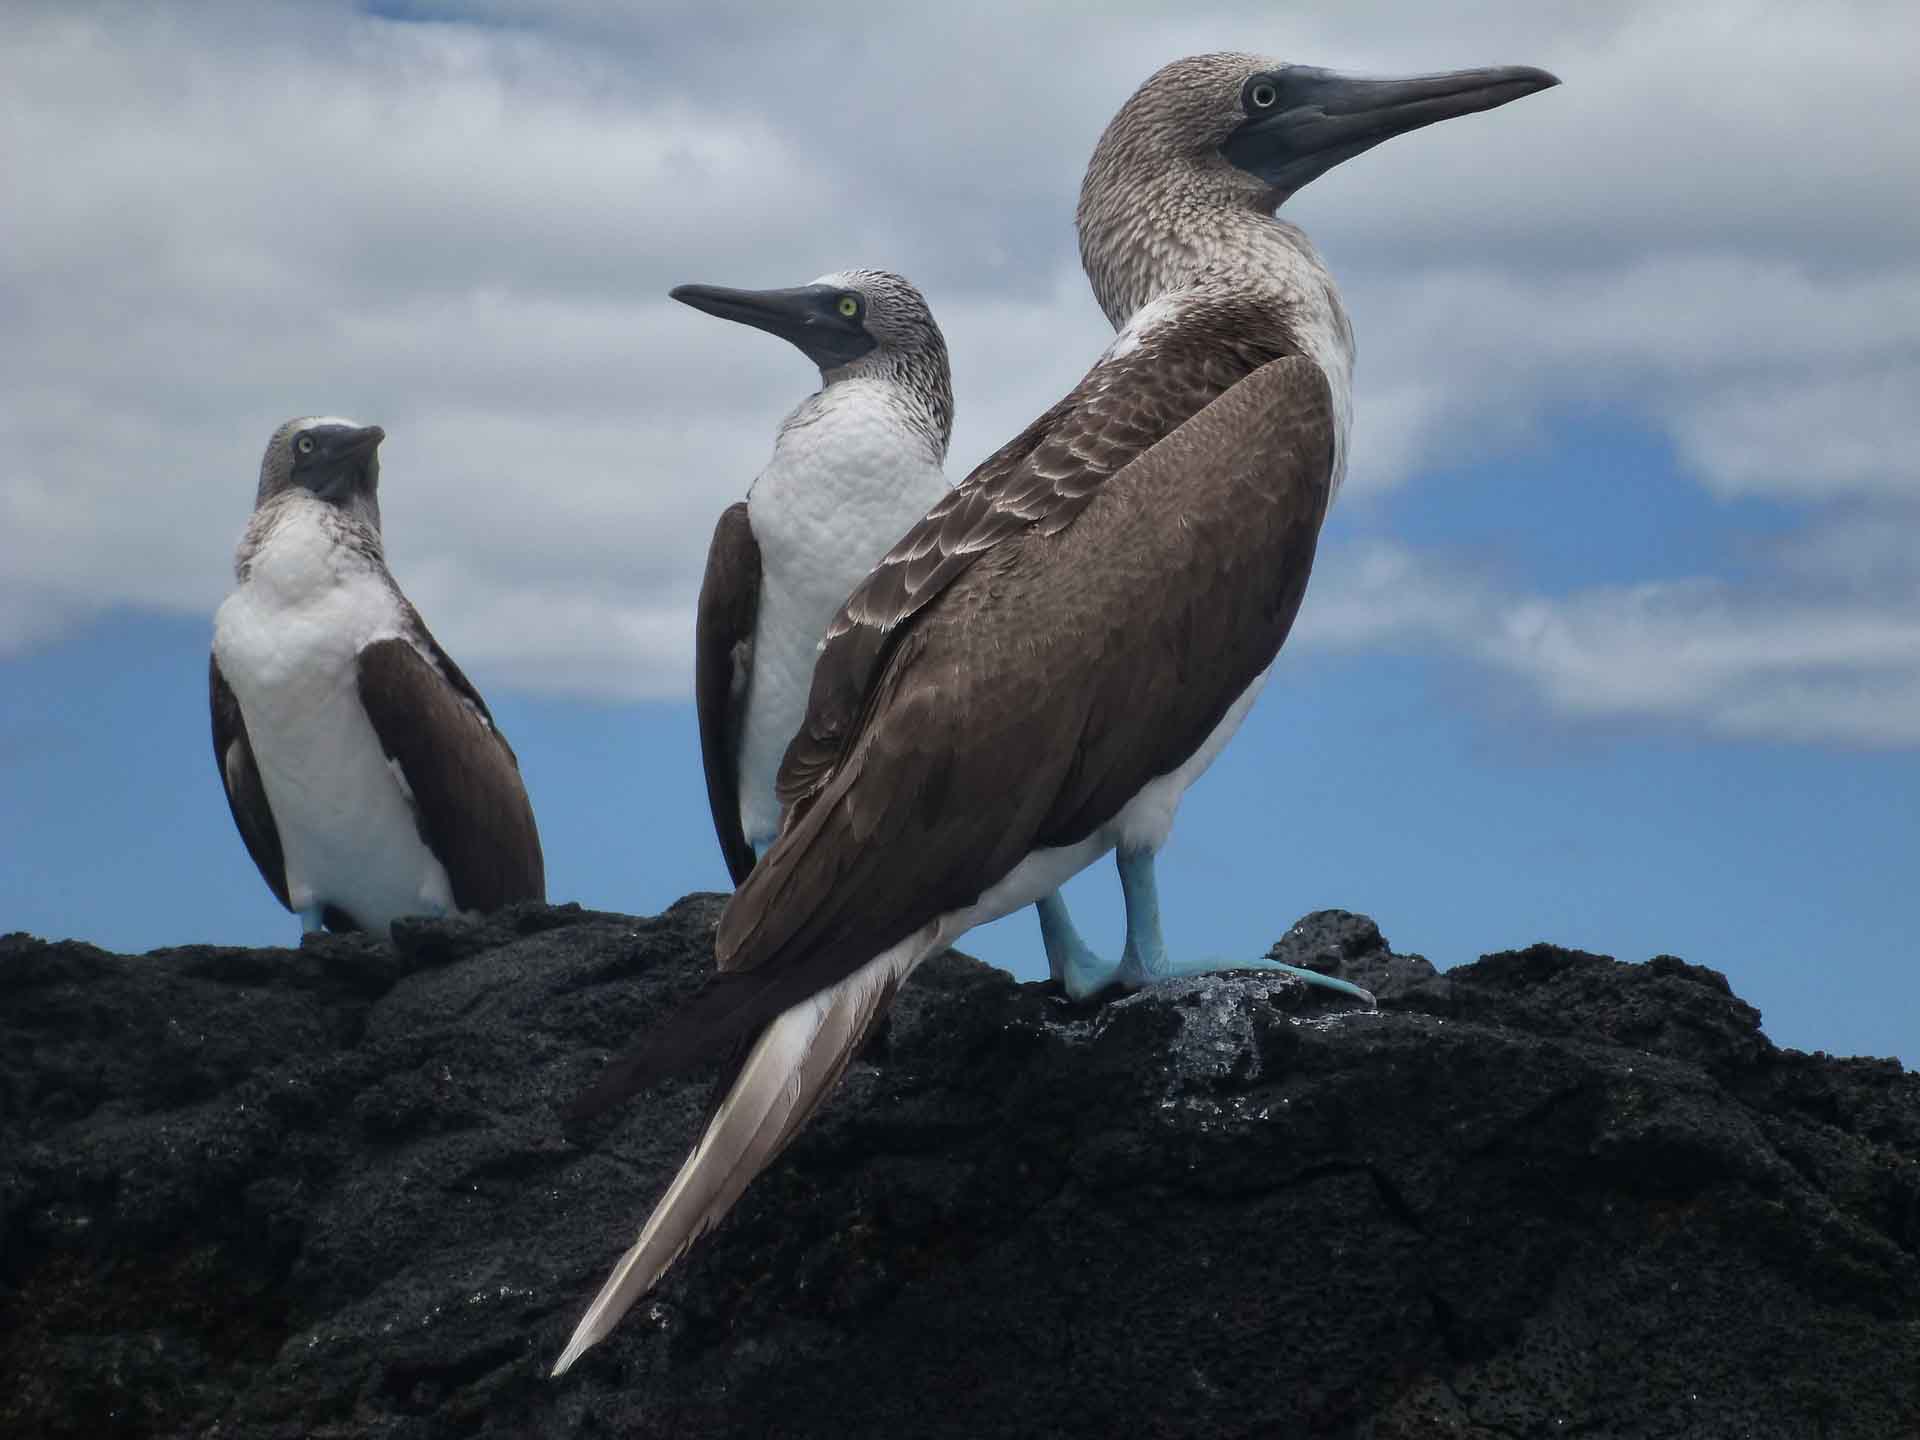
<point>790,1070</point>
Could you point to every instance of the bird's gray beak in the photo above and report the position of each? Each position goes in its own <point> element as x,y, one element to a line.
<point>1317,118</point>
<point>347,445</point>
<point>343,463</point>
<point>805,315</point>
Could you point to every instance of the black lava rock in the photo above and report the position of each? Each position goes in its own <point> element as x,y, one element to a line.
<point>325,1192</point>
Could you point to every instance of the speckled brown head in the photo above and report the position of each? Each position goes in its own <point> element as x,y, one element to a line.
<point>1211,135</point>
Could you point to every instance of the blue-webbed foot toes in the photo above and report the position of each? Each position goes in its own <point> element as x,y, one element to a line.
<point>1070,960</point>
<point>1134,973</point>
<point>310,921</point>
<point>1145,960</point>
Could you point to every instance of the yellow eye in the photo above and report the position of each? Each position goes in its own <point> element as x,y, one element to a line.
<point>849,306</point>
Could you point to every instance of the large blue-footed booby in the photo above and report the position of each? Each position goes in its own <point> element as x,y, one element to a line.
<point>364,771</point>
<point>1040,668</point>
<point>854,466</point>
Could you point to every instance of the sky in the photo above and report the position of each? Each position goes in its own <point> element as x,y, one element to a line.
<point>1614,635</point>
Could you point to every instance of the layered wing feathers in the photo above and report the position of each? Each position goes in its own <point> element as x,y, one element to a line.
<point>468,798</point>
<point>1023,704</point>
<point>1039,481</point>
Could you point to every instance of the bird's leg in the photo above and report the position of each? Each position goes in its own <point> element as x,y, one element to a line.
<point>310,923</point>
<point>1070,960</point>
<point>1145,960</point>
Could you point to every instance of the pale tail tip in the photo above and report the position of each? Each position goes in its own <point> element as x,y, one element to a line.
<point>576,1347</point>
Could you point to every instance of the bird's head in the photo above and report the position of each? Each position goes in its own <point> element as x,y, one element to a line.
<point>850,323</point>
<point>1258,129</point>
<point>1213,142</point>
<point>333,459</point>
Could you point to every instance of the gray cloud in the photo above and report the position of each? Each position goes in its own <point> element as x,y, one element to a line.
<point>462,225</point>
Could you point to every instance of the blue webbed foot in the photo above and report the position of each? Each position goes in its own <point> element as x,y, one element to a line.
<point>1145,960</point>
<point>310,922</point>
<point>1137,971</point>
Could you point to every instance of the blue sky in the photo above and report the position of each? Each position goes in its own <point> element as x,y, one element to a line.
<point>1614,639</point>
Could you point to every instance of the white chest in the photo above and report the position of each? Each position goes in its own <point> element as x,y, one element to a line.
<point>288,637</point>
<point>847,479</point>
<point>288,642</point>
<point>848,476</point>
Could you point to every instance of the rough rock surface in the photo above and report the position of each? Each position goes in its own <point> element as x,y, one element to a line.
<point>323,1192</point>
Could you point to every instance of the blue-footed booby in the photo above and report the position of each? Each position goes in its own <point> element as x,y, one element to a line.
<point>1037,671</point>
<point>854,466</point>
<point>363,769</point>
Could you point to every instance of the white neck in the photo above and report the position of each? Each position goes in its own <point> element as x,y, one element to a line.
<point>303,541</point>
<point>866,411</point>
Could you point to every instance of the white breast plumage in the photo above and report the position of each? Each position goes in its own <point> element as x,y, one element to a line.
<point>849,476</point>
<point>288,642</point>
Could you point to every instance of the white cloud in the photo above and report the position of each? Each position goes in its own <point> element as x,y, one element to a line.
<point>1805,666</point>
<point>223,215</point>
<point>1816,437</point>
<point>1770,375</point>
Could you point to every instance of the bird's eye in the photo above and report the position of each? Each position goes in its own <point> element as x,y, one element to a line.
<point>1262,95</point>
<point>849,306</point>
<point>304,444</point>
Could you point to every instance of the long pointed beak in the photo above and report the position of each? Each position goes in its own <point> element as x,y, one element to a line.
<point>786,313</point>
<point>1320,117</point>
<point>804,315</point>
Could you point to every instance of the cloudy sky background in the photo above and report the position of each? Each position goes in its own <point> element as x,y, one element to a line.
<point>1614,638</point>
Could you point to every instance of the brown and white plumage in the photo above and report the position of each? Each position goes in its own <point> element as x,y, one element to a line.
<point>853,466</point>
<point>364,772</point>
<point>896,867</point>
<point>1037,671</point>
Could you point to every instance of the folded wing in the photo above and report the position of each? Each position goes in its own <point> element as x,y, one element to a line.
<point>1025,702</point>
<point>463,777</point>
<point>240,776</point>
<point>723,656</point>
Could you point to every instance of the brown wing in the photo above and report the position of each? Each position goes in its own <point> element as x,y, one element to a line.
<point>1039,481</point>
<point>240,776</point>
<point>468,797</point>
<point>722,657</point>
<point>1029,701</point>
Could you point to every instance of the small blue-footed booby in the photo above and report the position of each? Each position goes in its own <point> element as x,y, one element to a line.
<point>363,769</point>
<point>854,466</point>
<point>1037,671</point>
